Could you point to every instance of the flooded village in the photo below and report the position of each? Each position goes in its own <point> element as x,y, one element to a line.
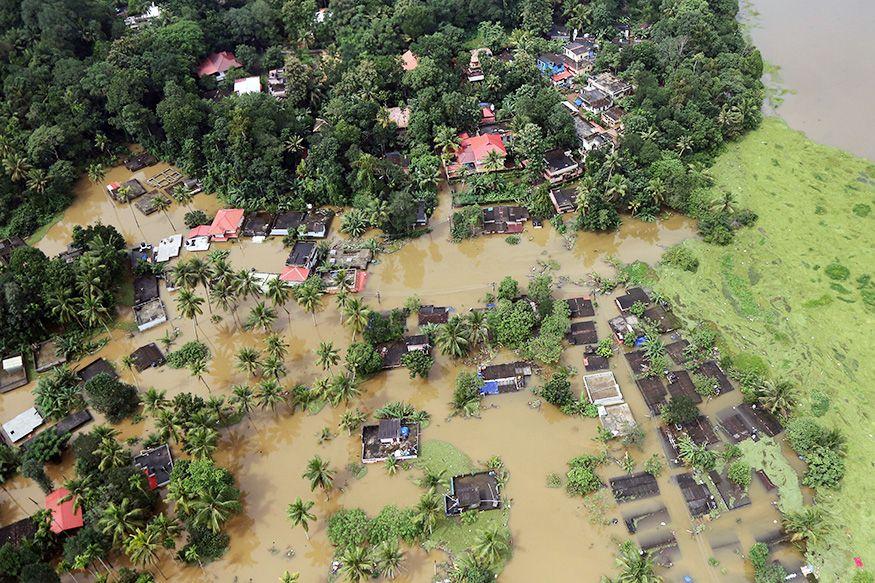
<point>378,291</point>
<point>694,530</point>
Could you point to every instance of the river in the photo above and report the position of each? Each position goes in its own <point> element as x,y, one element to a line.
<point>824,53</point>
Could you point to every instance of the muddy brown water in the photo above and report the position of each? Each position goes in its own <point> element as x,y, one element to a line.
<point>823,51</point>
<point>553,536</point>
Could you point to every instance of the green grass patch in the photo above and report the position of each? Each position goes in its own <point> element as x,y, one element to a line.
<point>37,235</point>
<point>451,533</point>
<point>766,455</point>
<point>789,317</point>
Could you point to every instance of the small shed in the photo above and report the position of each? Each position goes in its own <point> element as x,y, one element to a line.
<point>582,333</point>
<point>66,514</point>
<point>45,356</point>
<point>96,367</point>
<point>634,487</point>
<point>632,295</point>
<point>478,491</point>
<point>389,430</point>
<point>145,289</point>
<point>198,239</point>
<point>617,419</point>
<point>287,222</point>
<point>13,373</point>
<point>602,388</point>
<point>150,314</point>
<point>22,425</point>
<point>148,356</point>
<point>580,307</point>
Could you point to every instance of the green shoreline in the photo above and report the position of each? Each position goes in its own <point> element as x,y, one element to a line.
<point>770,294</point>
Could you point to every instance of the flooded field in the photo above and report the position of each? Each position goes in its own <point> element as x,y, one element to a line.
<point>823,55</point>
<point>555,538</point>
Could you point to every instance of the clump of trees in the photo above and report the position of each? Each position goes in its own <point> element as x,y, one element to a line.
<point>112,397</point>
<point>823,449</point>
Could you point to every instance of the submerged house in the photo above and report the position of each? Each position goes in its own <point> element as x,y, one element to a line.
<point>303,254</point>
<point>287,222</point>
<point>473,492</point>
<point>590,136</point>
<point>66,513</point>
<point>22,425</point>
<point>157,464</point>
<point>504,219</point>
<point>564,200</point>
<point>316,224</point>
<point>257,225</point>
<point>504,378</point>
<point>602,388</point>
<point>430,314</point>
<point>390,438</point>
<point>392,352</point>
<point>226,225</point>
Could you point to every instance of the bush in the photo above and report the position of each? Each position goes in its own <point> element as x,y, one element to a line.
<point>716,229</point>
<point>363,359</point>
<point>418,363</point>
<point>557,391</point>
<point>512,240</point>
<point>208,545</point>
<point>464,223</point>
<point>771,573</point>
<point>348,527</point>
<point>758,555</point>
<point>837,271</point>
<point>466,396</point>
<point>605,348</point>
<point>508,289</point>
<point>384,328</point>
<point>679,410</point>
<point>653,465</point>
<point>745,217</point>
<point>46,447</point>
<point>110,396</point>
<point>190,352</point>
<point>819,403</point>
<point>681,257</point>
<point>391,524</point>
<point>826,468</point>
<point>582,479</point>
<point>57,394</point>
<point>195,218</point>
<point>9,462</point>
<point>740,473</point>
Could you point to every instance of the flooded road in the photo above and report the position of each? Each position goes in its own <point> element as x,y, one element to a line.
<point>555,538</point>
<point>824,54</point>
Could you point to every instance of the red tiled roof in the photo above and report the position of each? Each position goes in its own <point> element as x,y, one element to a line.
<point>361,278</point>
<point>63,516</point>
<point>295,274</point>
<point>218,63</point>
<point>476,148</point>
<point>561,76</point>
<point>409,61</point>
<point>226,221</point>
<point>201,231</point>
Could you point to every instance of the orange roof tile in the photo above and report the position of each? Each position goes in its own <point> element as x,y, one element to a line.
<point>64,517</point>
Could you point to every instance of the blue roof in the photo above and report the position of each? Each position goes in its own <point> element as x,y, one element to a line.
<point>489,388</point>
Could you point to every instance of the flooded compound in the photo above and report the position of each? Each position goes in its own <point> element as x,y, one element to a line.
<point>555,537</point>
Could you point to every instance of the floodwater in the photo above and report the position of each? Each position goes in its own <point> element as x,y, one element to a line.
<point>824,54</point>
<point>554,536</point>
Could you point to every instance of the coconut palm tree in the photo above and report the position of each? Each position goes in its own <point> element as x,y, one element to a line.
<point>351,420</point>
<point>387,558</point>
<point>112,454</point>
<point>168,426</point>
<point>300,515</point>
<point>248,360</point>
<point>341,299</point>
<point>433,480</point>
<point>636,566</point>
<point>684,145</point>
<point>493,161</point>
<point>356,565</point>
<point>725,203</point>
<point>343,388</point>
<point>162,204</point>
<point>269,395</point>
<point>64,305</point>
<point>327,355</point>
<point>320,475</point>
<point>167,528</point>
<point>261,316</point>
<point>243,399</point>
<point>93,311</point>
<point>182,195</point>
<point>16,166</point>
<point>198,368</point>
<point>273,367</point>
<point>120,520</point>
<point>275,346</point>
<point>189,305</point>
<point>808,525</point>
<point>780,398</point>
<point>279,293</point>
<point>447,141</point>
<point>427,512</point>
<point>452,338</point>
<point>491,545</point>
<point>224,294</point>
<point>155,401</point>
<point>201,442</point>
<point>309,295</point>
<point>357,314</point>
<point>246,284</point>
<point>79,489</point>
<point>96,172</point>
<point>616,188</point>
<point>215,507</point>
<point>478,328</point>
<point>142,547</point>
